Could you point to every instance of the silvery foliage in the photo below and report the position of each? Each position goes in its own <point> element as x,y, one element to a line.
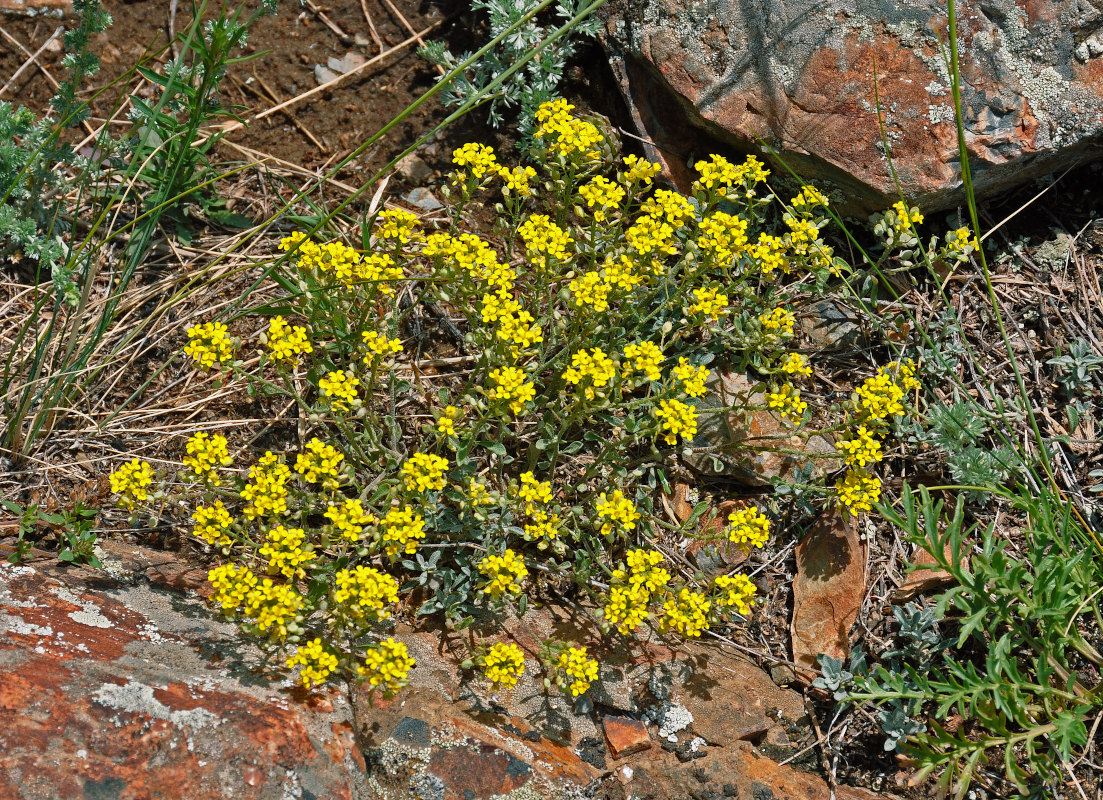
<point>531,85</point>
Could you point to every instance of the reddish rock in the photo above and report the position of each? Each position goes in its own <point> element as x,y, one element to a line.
<point>625,735</point>
<point>112,690</point>
<point>730,772</point>
<point>749,443</point>
<point>828,590</point>
<point>815,81</point>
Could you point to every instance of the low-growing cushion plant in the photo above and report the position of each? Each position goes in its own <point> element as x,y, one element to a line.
<point>491,422</point>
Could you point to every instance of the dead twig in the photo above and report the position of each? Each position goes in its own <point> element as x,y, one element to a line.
<point>32,60</point>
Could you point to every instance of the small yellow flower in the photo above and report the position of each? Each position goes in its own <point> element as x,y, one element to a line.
<point>709,303</point>
<point>779,321</point>
<point>857,490</point>
<point>686,612</point>
<point>287,342</point>
<point>619,512</point>
<point>364,593</point>
<point>446,422</point>
<point>320,464</point>
<point>286,551</point>
<point>424,472</point>
<point>504,573</point>
<point>477,159</point>
<point>579,670</point>
<point>860,450</point>
<point>592,372</point>
<point>693,379</point>
<point>350,519</point>
<point>340,387</point>
<point>379,347</point>
<point>205,454</point>
<point>510,386</point>
<point>748,527</point>
<point>518,179</point>
<point>644,357</point>
<point>401,529</point>
<point>266,492</point>
<point>316,661</point>
<point>676,419</point>
<point>639,170</point>
<point>397,224</point>
<point>734,592</point>
<point>503,665</point>
<point>534,492</point>
<point>232,585</point>
<point>787,400</point>
<point>130,482</point>
<point>209,344</point>
<point>795,364</point>
<point>211,523</point>
<point>387,666</point>
<point>601,194</point>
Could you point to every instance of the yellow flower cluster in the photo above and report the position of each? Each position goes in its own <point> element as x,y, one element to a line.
<point>748,527</point>
<point>400,530</point>
<point>591,372</point>
<point>857,490</point>
<point>504,573</point>
<point>477,159</point>
<point>510,387</point>
<point>693,379</point>
<point>211,524</point>
<point>719,173</point>
<point>809,197</point>
<point>543,528</point>
<point>503,665</point>
<point>880,397</point>
<point>723,236</point>
<point>579,670</point>
<point>601,194</point>
<point>631,589</point>
<point>316,661</point>
<point>769,253</point>
<point>287,342</point>
<point>565,134</point>
<point>515,324</point>
<point>651,235</point>
<point>590,289</point>
<point>959,244</point>
<point>518,179</point>
<point>619,512</point>
<point>709,303</point>
<point>621,272</point>
<point>534,492</point>
<point>544,241</point>
<point>779,321</point>
<point>639,170</point>
<point>446,422</point>
<point>319,464</point>
<point>686,612</point>
<point>668,205</point>
<point>273,606</point>
<point>734,591</point>
<point>471,254</point>
<point>397,224</point>
<point>786,399</point>
<point>335,257</point>
<point>379,347</point>
<point>130,482</point>
<point>643,357</point>
<point>378,269</point>
<point>477,495</point>
<point>424,472</point>
<point>350,519</point>
<point>676,419</point>
<point>906,217</point>
<point>266,492</point>
<point>365,593</point>
<point>340,387</point>
<point>209,344</point>
<point>287,551</point>
<point>231,584</point>
<point>387,666</point>
<point>860,450</point>
<point>795,364</point>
